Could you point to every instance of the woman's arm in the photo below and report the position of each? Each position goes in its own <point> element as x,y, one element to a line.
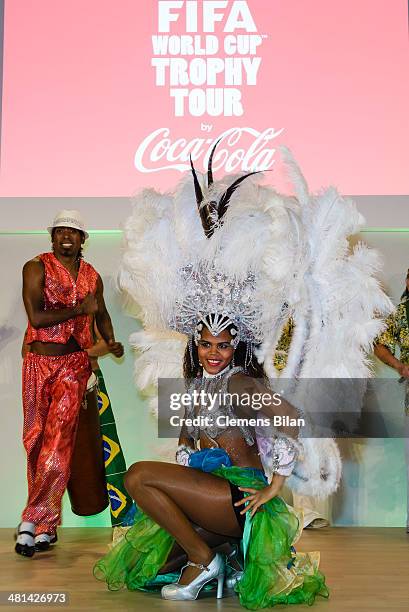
<point>185,439</point>
<point>280,445</point>
<point>185,448</point>
<point>257,498</point>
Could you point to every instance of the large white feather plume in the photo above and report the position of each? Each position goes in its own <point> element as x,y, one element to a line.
<point>299,249</point>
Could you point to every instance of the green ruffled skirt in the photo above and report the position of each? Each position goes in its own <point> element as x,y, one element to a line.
<point>273,572</point>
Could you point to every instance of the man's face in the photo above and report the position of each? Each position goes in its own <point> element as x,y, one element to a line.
<point>67,241</point>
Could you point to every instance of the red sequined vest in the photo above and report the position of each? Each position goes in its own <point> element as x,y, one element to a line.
<point>62,291</point>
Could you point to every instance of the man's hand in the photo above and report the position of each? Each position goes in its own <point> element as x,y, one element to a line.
<point>89,305</point>
<point>403,370</point>
<point>115,348</point>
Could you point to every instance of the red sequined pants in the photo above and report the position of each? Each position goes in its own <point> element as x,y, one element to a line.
<point>53,389</point>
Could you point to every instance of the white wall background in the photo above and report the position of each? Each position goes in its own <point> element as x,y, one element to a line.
<point>22,214</point>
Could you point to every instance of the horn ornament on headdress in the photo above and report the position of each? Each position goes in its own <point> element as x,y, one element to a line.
<point>212,213</point>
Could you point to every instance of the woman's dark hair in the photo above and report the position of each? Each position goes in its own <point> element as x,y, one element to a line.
<point>191,367</point>
<point>80,253</point>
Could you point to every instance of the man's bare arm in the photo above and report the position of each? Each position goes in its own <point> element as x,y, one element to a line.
<point>104,323</point>
<point>33,292</point>
<point>385,355</point>
<point>25,348</point>
<point>100,347</point>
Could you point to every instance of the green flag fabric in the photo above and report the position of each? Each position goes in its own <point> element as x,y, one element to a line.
<point>121,505</point>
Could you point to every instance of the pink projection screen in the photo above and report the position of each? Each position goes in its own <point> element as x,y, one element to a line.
<point>102,98</point>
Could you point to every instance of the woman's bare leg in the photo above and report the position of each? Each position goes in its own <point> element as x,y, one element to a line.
<point>173,496</point>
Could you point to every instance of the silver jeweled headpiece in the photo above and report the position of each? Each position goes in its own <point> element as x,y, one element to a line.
<point>210,297</point>
<point>216,323</point>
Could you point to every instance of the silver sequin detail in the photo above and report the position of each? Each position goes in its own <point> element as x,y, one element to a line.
<point>215,386</point>
<point>206,290</point>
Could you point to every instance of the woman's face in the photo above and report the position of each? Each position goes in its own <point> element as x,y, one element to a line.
<point>215,352</point>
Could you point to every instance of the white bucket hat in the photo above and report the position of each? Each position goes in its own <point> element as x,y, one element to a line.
<point>69,218</point>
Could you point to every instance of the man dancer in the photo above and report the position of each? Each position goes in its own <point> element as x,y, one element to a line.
<point>396,335</point>
<point>60,292</point>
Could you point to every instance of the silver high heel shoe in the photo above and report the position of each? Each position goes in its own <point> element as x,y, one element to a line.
<point>215,570</point>
<point>234,579</point>
<point>232,560</point>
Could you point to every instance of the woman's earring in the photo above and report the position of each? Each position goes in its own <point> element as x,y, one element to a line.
<point>201,364</point>
<point>190,344</point>
<point>233,363</point>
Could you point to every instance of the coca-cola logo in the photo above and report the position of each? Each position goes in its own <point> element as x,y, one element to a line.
<point>240,149</point>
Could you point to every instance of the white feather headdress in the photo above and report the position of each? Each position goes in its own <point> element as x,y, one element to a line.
<point>295,250</point>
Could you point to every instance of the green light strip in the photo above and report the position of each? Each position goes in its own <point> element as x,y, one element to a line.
<point>39,232</point>
<point>118,232</point>
<point>385,229</point>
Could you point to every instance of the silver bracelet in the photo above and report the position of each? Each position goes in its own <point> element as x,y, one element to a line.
<point>284,456</point>
<point>182,454</point>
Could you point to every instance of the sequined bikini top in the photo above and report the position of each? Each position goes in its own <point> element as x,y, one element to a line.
<point>208,407</point>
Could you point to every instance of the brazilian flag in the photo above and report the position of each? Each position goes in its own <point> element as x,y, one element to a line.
<point>122,506</point>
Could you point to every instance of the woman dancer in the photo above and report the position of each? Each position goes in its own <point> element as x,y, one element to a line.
<point>225,315</point>
<point>218,287</point>
<point>213,495</point>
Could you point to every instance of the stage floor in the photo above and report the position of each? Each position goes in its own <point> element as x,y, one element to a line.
<point>367,569</point>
